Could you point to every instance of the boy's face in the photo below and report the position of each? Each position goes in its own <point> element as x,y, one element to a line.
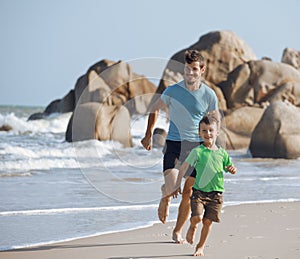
<point>209,133</point>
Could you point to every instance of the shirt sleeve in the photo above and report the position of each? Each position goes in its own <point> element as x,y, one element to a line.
<point>165,96</point>
<point>194,172</point>
<point>192,158</point>
<point>213,105</point>
<point>226,160</point>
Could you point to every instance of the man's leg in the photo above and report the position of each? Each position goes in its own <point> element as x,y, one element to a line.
<point>184,209</point>
<point>167,189</point>
<point>163,209</point>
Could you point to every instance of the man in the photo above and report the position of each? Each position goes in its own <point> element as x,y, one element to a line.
<point>188,101</point>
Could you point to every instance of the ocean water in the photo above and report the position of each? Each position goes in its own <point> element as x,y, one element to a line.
<point>51,190</point>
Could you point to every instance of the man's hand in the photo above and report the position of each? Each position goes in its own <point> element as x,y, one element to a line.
<point>231,169</point>
<point>147,142</point>
<point>175,194</point>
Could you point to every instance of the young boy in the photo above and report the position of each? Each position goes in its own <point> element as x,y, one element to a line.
<point>210,161</point>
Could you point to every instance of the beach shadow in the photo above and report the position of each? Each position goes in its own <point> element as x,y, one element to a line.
<point>158,256</point>
<point>114,245</point>
<point>54,247</point>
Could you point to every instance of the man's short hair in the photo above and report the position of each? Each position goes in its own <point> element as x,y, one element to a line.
<point>193,55</point>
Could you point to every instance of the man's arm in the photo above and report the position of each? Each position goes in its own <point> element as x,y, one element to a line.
<point>217,115</point>
<point>147,140</point>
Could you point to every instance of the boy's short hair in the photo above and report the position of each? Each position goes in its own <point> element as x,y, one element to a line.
<point>192,55</point>
<point>209,119</point>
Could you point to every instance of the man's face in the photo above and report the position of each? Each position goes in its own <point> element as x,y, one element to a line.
<point>193,72</point>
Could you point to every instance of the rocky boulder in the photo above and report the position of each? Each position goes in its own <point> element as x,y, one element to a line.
<point>102,122</point>
<point>159,137</point>
<point>114,83</point>
<point>277,135</point>
<point>119,92</point>
<point>292,57</point>
<point>5,127</point>
<point>109,82</point>
<point>238,125</point>
<point>261,82</point>
<point>115,88</point>
<point>222,50</point>
<point>64,105</point>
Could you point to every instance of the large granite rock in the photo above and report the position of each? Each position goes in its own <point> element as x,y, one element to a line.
<point>277,135</point>
<point>159,137</point>
<point>222,50</point>
<point>113,83</point>
<point>261,82</point>
<point>64,105</point>
<point>292,57</point>
<point>102,122</point>
<point>238,125</point>
<point>117,89</point>
<point>110,92</point>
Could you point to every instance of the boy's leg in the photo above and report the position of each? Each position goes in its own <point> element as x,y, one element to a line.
<point>206,228</point>
<point>195,220</point>
<point>184,209</point>
<point>213,206</point>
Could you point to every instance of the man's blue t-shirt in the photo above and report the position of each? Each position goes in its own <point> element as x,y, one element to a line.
<point>187,109</point>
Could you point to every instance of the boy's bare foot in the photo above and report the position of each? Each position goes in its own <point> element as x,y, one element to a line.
<point>163,209</point>
<point>191,234</point>
<point>199,251</point>
<point>177,238</point>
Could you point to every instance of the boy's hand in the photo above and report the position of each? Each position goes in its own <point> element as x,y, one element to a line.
<point>231,169</point>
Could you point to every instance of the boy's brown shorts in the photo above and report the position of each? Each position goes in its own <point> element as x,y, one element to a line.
<point>209,202</point>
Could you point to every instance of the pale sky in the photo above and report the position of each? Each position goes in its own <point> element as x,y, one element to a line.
<point>47,44</point>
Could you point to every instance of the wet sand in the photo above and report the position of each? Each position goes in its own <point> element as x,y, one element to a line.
<point>263,230</point>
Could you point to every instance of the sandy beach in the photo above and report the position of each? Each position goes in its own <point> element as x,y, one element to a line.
<point>262,230</point>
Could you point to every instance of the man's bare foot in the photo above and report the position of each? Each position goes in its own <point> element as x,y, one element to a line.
<point>177,238</point>
<point>190,235</point>
<point>163,209</point>
<point>199,251</point>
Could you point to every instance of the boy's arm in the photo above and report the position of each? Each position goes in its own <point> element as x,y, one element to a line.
<point>182,171</point>
<point>231,169</point>
<point>228,165</point>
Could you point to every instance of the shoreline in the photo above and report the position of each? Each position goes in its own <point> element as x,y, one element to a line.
<point>249,230</point>
<point>146,225</point>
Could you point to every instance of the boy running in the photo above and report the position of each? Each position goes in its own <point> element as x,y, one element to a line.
<point>210,161</point>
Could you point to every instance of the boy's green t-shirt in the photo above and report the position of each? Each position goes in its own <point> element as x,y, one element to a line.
<point>209,165</point>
